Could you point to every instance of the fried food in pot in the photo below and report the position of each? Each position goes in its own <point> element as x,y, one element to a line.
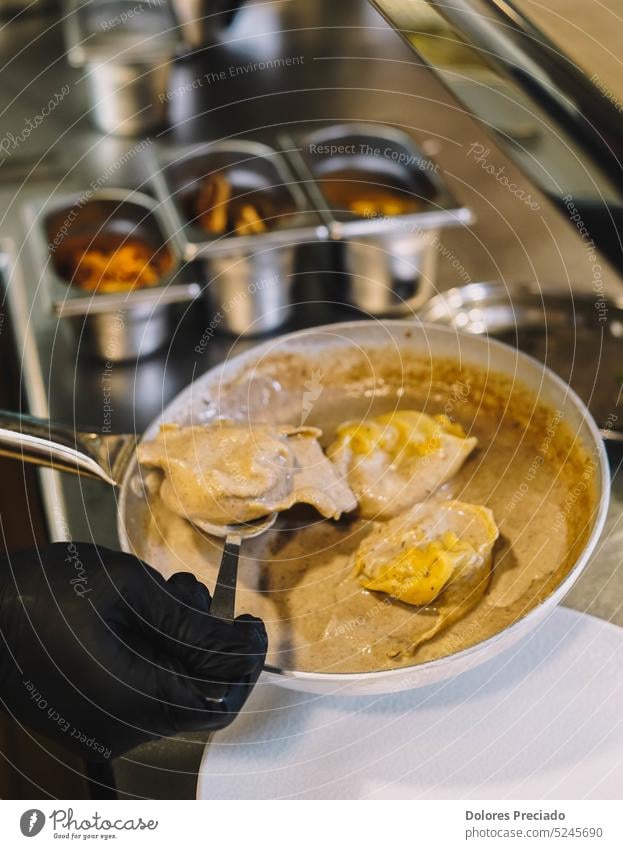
<point>218,210</point>
<point>105,264</point>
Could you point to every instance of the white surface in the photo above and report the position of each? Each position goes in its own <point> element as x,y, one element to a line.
<point>543,720</point>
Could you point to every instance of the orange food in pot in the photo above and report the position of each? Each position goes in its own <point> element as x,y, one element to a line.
<point>217,210</point>
<point>105,267</point>
<point>367,196</point>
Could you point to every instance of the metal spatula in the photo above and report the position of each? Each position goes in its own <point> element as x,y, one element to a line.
<point>224,596</point>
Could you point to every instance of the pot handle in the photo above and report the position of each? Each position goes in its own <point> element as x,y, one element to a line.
<point>44,443</point>
<point>428,276</point>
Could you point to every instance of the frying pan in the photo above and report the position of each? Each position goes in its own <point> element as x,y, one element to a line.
<point>113,459</point>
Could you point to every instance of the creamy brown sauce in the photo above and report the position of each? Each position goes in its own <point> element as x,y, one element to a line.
<point>298,577</point>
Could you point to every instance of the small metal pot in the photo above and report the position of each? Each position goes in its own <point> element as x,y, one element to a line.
<point>388,275</point>
<point>121,334</point>
<point>390,261</point>
<point>126,48</point>
<point>249,277</point>
<point>112,326</point>
<point>250,293</point>
<point>128,100</point>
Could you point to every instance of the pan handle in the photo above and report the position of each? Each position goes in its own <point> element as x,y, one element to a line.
<point>44,443</point>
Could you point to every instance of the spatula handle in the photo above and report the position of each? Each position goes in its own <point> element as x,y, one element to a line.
<point>224,598</point>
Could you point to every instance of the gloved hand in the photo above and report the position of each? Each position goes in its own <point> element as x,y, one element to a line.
<point>100,653</point>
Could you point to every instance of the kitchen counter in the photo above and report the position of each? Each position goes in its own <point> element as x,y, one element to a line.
<point>350,65</point>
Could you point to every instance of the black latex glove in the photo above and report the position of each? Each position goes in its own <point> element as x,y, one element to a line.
<point>100,653</point>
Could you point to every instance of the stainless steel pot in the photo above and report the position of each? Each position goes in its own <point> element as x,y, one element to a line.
<point>126,48</point>
<point>248,277</point>
<point>119,326</point>
<point>390,261</point>
<point>113,459</point>
<point>251,293</point>
<point>201,21</point>
<point>116,332</point>
<point>390,274</point>
<point>128,99</point>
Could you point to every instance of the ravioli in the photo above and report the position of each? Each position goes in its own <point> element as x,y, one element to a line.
<point>398,459</point>
<point>437,556</point>
<point>232,473</point>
